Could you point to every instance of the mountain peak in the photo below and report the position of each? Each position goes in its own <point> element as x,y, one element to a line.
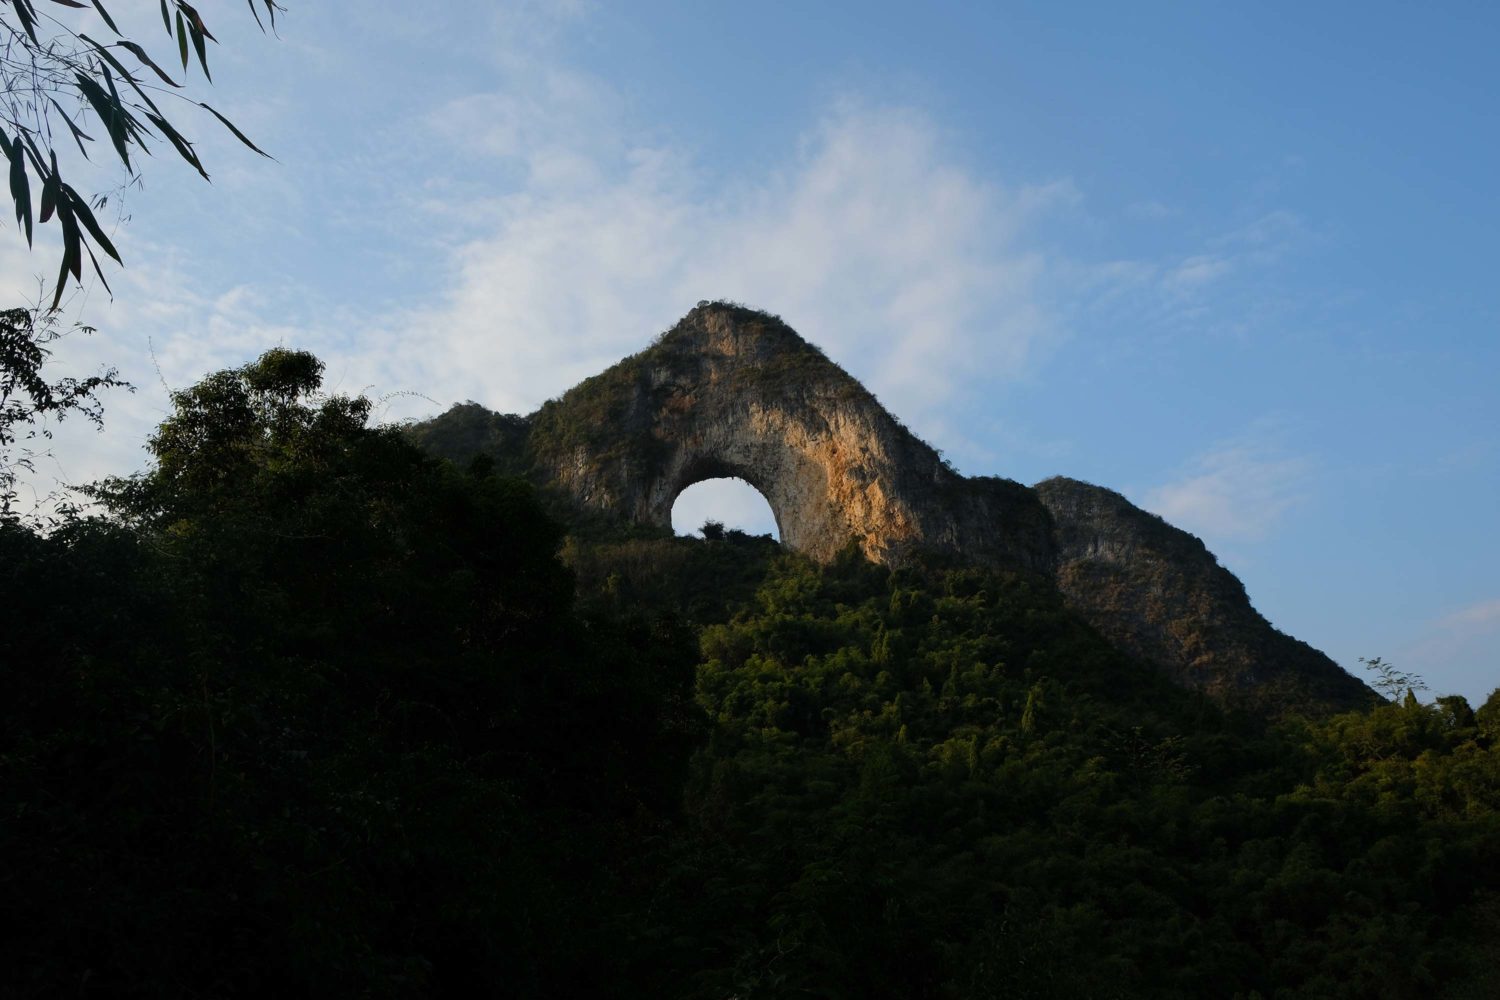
<point>731,391</point>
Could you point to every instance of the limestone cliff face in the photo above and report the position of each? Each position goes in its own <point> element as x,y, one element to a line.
<point>733,392</point>
<point>1157,592</point>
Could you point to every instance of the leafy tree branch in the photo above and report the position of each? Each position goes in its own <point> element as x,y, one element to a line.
<point>28,400</point>
<point>59,82</point>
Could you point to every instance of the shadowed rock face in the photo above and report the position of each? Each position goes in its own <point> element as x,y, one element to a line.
<point>1157,592</point>
<point>733,392</point>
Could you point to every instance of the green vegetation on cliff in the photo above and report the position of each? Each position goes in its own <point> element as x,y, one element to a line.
<point>467,430</point>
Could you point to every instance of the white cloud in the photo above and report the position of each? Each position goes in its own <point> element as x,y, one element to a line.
<point>869,234</point>
<point>1236,491</point>
<point>870,239</point>
<point>556,116</point>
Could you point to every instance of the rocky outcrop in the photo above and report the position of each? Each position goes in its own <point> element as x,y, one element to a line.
<point>733,392</point>
<point>730,391</point>
<point>1157,592</point>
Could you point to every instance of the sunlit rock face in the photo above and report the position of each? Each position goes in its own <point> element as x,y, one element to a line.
<point>732,392</point>
<point>729,391</point>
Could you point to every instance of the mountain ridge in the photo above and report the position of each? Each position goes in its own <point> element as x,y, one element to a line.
<point>732,391</point>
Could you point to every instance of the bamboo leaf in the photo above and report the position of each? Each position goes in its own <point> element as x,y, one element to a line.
<point>130,78</point>
<point>78,134</point>
<point>27,16</point>
<point>85,215</point>
<point>99,271</point>
<point>184,148</point>
<point>73,244</point>
<point>110,113</point>
<point>182,39</point>
<point>72,259</point>
<point>109,81</point>
<point>237,133</point>
<point>196,20</point>
<point>199,32</point>
<point>33,151</point>
<point>103,52</point>
<point>53,179</point>
<point>140,53</point>
<point>20,187</point>
<point>62,277</point>
<point>49,199</point>
<point>202,55</point>
<point>107,19</point>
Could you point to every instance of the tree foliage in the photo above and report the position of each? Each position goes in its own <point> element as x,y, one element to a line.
<point>1392,683</point>
<point>64,85</point>
<point>314,712</point>
<point>29,401</point>
<point>941,785</point>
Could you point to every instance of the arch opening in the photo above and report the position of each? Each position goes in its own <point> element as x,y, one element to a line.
<point>728,501</point>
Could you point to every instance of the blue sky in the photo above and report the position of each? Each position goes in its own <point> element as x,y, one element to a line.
<point>1235,263</point>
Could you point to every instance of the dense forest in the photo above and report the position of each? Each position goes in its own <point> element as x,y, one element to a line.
<point>302,708</point>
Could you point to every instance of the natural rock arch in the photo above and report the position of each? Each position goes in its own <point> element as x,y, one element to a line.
<point>734,392</point>
<point>730,502</point>
<point>687,471</point>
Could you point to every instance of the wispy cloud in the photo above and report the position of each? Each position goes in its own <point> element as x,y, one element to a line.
<point>1459,643</point>
<point>1196,271</point>
<point>1236,491</point>
<point>1213,288</point>
<point>566,234</point>
<point>870,237</point>
<point>1149,211</point>
<point>1484,615</point>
